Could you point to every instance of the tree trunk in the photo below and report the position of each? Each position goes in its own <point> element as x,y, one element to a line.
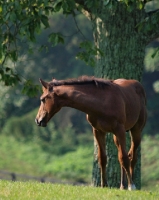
<point>115,33</point>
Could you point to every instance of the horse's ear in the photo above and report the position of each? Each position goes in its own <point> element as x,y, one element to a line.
<point>45,84</point>
<point>53,79</point>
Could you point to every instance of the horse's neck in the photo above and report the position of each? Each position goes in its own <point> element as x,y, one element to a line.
<point>78,97</point>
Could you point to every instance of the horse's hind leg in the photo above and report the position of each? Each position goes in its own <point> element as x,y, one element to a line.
<point>120,141</point>
<point>135,135</point>
<point>123,174</point>
<point>100,139</point>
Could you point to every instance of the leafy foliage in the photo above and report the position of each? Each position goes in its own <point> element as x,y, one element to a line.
<point>149,24</point>
<point>89,53</point>
<point>63,138</point>
<point>55,38</point>
<point>151,59</point>
<point>150,172</point>
<point>21,22</point>
<point>30,89</point>
<point>46,149</point>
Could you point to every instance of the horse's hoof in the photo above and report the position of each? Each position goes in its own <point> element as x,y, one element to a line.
<point>122,188</point>
<point>131,187</point>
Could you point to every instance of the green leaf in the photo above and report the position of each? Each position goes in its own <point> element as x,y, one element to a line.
<point>43,47</point>
<point>140,5</point>
<point>30,89</point>
<point>45,21</point>
<point>31,32</point>
<point>155,52</point>
<point>88,53</point>
<point>106,2</point>
<point>13,55</point>
<point>56,38</point>
<point>13,16</point>
<point>58,6</point>
<point>10,79</point>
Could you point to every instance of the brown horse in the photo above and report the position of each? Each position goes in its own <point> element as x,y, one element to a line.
<point>111,106</point>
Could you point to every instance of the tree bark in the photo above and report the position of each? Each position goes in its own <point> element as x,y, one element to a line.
<point>115,33</point>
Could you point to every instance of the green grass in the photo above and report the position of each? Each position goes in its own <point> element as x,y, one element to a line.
<point>43,191</point>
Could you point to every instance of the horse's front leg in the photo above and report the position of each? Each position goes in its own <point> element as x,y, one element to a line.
<point>123,174</point>
<point>123,182</point>
<point>100,140</point>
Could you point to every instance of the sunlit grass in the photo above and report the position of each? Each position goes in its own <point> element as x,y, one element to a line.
<point>38,191</point>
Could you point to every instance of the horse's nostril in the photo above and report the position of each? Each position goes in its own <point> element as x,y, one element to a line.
<point>40,123</point>
<point>37,122</point>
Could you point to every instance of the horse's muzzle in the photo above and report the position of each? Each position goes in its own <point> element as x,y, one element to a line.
<point>40,123</point>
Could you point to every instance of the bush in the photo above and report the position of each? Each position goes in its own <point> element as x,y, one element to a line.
<point>150,161</point>
<point>56,140</point>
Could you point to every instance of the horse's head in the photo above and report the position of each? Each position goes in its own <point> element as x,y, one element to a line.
<point>49,104</point>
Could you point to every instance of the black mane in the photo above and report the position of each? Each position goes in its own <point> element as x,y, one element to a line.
<point>83,80</point>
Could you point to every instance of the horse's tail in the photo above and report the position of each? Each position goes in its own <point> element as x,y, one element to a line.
<point>141,92</point>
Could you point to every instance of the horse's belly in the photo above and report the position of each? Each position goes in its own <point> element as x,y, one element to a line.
<point>101,123</point>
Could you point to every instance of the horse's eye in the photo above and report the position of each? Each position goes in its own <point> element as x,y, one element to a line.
<point>42,100</point>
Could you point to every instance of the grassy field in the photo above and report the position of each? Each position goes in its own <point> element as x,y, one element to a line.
<point>42,191</point>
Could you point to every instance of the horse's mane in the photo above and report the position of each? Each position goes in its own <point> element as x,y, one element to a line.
<point>82,80</point>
